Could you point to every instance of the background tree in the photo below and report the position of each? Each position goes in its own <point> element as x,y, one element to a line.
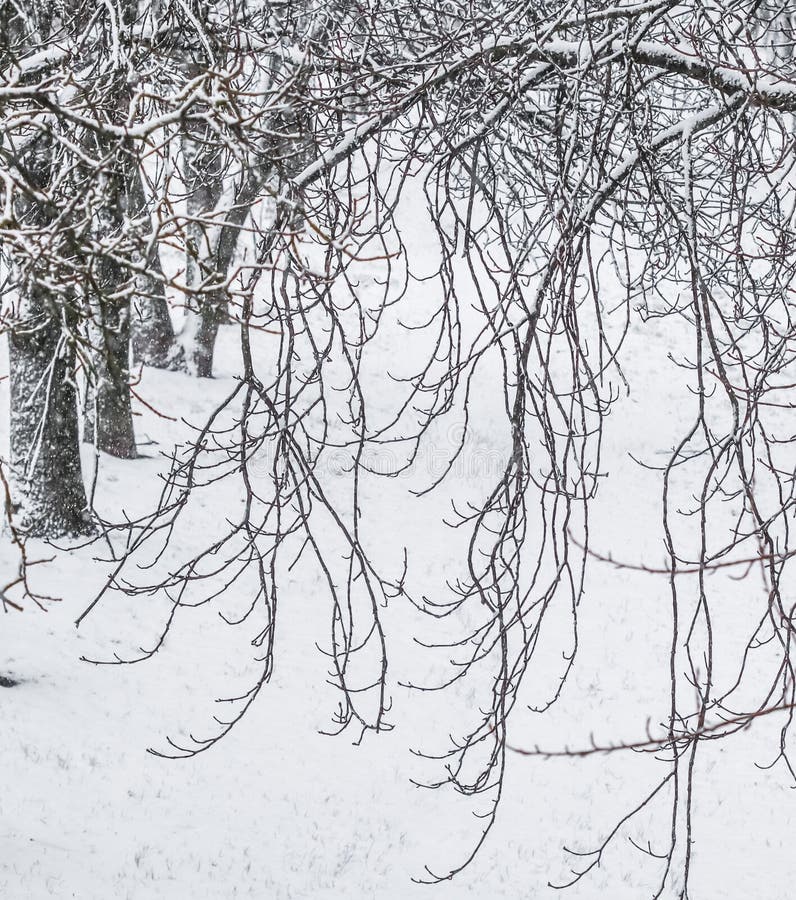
<point>44,313</point>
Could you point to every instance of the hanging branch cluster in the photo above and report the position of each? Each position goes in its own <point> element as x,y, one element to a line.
<point>244,161</point>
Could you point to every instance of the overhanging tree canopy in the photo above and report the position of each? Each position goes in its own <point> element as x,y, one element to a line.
<point>566,150</point>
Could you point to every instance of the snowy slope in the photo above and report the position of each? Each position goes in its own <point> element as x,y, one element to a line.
<point>278,810</point>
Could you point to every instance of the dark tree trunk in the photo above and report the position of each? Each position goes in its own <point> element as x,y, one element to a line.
<point>154,341</point>
<point>107,287</point>
<point>46,481</point>
<point>153,338</point>
<point>204,309</point>
<point>199,335</point>
<point>47,484</point>
<point>108,413</point>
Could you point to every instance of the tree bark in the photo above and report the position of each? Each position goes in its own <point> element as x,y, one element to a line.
<point>202,319</point>
<point>204,181</point>
<point>46,479</point>
<point>154,341</point>
<point>46,482</point>
<point>108,413</point>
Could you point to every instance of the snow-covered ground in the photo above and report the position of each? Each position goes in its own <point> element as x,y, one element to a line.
<point>277,810</point>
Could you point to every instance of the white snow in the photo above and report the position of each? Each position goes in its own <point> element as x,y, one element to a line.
<point>277,810</point>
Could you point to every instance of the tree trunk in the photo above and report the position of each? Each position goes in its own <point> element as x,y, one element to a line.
<point>199,335</point>
<point>153,339</point>
<point>108,413</point>
<point>47,484</point>
<point>46,475</point>
<point>204,181</point>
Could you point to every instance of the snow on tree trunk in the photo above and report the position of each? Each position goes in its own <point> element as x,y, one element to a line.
<point>199,335</point>
<point>47,483</point>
